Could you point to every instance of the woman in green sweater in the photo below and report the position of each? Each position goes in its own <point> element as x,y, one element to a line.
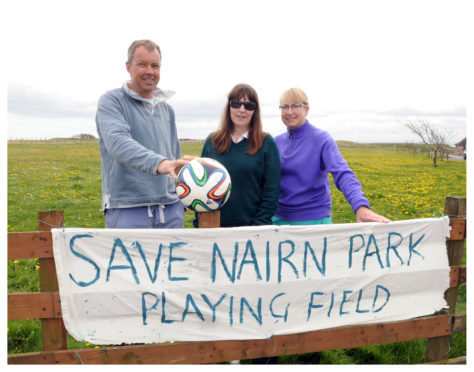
<point>251,158</point>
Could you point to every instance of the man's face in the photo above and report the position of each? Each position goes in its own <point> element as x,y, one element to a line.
<point>144,71</point>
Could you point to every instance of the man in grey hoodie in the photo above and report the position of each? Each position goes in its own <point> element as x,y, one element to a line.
<point>139,147</point>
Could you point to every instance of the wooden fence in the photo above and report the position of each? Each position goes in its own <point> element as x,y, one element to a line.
<point>45,305</point>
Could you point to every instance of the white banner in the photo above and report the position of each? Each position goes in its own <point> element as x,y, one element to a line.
<point>142,286</point>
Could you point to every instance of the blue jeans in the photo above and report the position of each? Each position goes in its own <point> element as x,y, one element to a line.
<point>169,216</point>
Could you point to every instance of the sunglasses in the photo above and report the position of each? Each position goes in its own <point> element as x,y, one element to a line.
<point>249,106</point>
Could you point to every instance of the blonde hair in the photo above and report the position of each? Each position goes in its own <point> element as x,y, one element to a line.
<point>295,95</point>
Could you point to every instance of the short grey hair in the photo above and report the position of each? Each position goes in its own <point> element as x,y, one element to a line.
<point>150,45</point>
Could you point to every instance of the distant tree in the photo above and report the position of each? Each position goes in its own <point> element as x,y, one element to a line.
<point>434,139</point>
<point>412,148</point>
<point>83,136</point>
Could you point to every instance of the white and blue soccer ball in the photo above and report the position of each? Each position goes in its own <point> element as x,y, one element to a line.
<point>203,185</point>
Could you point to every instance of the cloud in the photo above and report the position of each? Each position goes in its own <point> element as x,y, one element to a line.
<point>30,101</point>
<point>34,113</point>
<point>197,110</point>
<point>457,111</point>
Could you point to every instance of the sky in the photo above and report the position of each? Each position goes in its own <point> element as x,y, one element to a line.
<point>366,66</point>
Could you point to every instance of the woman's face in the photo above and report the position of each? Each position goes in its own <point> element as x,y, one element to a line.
<point>293,117</point>
<point>240,116</point>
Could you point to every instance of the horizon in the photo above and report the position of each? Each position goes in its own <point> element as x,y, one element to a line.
<point>203,139</point>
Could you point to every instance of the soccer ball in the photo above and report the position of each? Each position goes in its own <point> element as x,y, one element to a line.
<point>203,185</point>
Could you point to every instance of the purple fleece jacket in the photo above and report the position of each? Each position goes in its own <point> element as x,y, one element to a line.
<point>307,154</point>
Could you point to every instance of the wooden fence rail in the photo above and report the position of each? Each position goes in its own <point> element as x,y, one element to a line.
<point>46,305</point>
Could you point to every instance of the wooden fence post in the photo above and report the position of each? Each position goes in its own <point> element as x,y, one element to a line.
<point>437,348</point>
<point>53,332</point>
<point>209,219</point>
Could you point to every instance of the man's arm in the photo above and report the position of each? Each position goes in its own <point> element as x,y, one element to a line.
<point>115,133</point>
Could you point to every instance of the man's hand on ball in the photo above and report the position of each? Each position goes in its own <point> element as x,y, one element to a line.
<point>173,167</point>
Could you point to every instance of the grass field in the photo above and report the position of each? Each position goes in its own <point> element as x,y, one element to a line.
<point>52,175</point>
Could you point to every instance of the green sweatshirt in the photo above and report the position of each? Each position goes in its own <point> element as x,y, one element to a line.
<point>255,182</point>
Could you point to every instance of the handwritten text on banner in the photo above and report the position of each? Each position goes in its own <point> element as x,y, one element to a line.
<point>143,286</point>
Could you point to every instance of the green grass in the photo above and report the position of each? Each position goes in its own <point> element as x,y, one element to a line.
<point>65,175</point>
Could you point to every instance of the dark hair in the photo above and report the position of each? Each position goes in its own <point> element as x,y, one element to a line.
<point>150,45</point>
<point>221,138</point>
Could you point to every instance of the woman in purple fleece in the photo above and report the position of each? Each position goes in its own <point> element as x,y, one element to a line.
<point>307,154</point>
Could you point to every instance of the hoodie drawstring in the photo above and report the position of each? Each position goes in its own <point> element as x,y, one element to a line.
<point>161,213</point>
<point>161,208</point>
